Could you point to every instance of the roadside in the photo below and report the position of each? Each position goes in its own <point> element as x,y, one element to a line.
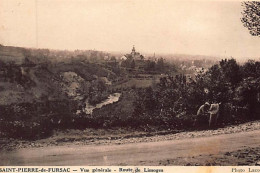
<point>248,156</point>
<point>118,136</point>
<point>225,149</point>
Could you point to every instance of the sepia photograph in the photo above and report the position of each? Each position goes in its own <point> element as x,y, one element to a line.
<point>129,83</point>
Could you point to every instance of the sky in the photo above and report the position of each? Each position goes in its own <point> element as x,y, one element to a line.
<point>153,26</point>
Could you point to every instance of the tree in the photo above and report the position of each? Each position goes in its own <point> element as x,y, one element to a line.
<point>149,65</point>
<point>113,58</point>
<point>133,64</point>
<point>251,69</point>
<point>231,71</point>
<point>251,17</point>
<point>160,65</point>
<point>247,94</point>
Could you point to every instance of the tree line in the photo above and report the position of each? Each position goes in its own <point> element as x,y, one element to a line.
<point>175,100</point>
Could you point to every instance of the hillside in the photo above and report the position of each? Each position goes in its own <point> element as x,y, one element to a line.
<point>22,79</point>
<point>40,92</point>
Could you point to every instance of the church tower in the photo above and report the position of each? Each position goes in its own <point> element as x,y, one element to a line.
<point>133,51</point>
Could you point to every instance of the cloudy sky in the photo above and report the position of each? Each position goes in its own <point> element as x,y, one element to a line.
<point>160,26</point>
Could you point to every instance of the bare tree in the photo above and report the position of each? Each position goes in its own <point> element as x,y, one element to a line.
<point>251,16</point>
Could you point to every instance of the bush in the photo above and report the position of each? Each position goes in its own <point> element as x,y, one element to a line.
<point>26,130</point>
<point>175,100</point>
<point>35,120</point>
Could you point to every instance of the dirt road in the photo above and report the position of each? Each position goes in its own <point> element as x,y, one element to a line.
<point>144,153</point>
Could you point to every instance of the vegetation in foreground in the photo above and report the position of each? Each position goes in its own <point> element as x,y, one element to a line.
<point>174,101</point>
<point>38,96</point>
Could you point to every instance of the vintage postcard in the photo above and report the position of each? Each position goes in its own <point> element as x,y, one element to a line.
<point>135,85</point>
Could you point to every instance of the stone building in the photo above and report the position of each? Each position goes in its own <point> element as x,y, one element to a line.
<point>135,55</point>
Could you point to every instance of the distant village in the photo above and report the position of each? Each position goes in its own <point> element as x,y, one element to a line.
<point>136,60</point>
<point>133,61</point>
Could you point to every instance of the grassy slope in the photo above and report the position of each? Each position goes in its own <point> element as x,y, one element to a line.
<point>46,77</point>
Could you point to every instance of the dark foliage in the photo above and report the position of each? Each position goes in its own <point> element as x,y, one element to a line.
<point>251,17</point>
<point>36,120</point>
<point>173,103</point>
